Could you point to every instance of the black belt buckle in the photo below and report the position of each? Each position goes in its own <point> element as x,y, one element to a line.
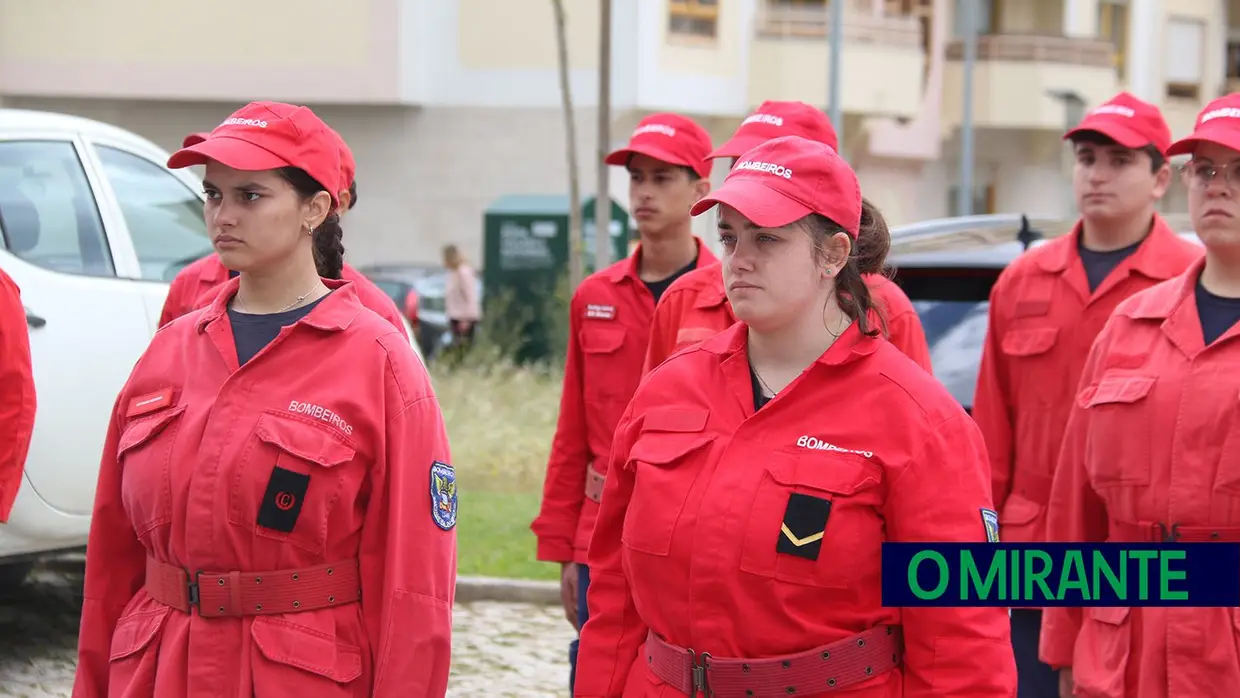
<point>1168,534</point>
<point>194,597</point>
<point>701,682</point>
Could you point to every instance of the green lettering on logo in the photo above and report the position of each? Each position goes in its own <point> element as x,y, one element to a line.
<point>1072,576</point>
<point>1166,574</point>
<point>944,575</point>
<point>1102,568</point>
<point>1037,577</point>
<point>1143,577</point>
<point>971,579</point>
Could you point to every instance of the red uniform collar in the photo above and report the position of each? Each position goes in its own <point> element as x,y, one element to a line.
<point>1155,258</point>
<point>336,311</point>
<point>627,268</point>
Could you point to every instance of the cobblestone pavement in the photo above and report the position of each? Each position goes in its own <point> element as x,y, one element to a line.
<point>500,650</point>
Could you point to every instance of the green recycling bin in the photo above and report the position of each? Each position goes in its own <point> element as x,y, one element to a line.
<point>525,259</point>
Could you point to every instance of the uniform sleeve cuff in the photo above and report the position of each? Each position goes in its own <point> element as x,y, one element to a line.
<point>555,551</point>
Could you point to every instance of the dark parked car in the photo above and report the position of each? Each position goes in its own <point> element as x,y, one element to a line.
<point>947,268</point>
<point>430,282</point>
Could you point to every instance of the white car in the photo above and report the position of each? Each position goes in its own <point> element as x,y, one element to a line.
<point>94,228</point>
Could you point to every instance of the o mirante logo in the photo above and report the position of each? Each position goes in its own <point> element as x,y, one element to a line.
<point>1061,574</point>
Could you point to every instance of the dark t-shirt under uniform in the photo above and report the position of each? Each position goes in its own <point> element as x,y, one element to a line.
<point>253,332</point>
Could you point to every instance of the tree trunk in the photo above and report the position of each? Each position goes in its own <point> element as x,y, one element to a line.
<point>575,272</point>
<point>602,202</point>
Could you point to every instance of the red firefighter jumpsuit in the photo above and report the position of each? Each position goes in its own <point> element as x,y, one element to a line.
<point>1043,320</point>
<point>609,325</point>
<point>197,285</point>
<point>1152,451</point>
<point>695,307</point>
<point>17,406</point>
<point>241,511</point>
<point>688,548</point>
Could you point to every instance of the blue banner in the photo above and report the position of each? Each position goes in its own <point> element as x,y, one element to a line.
<point>1061,574</point>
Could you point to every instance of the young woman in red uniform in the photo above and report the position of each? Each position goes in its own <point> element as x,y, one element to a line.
<point>695,307</point>
<point>754,477</point>
<point>196,285</point>
<point>275,512</point>
<point>1152,449</point>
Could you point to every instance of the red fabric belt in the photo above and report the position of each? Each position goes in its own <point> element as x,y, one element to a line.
<point>1159,532</point>
<point>594,484</point>
<point>232,594</point>
<point>830,667</point>
<point>1035,488</point>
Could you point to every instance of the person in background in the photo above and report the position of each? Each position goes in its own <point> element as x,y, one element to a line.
<point>18,402</point>
<point>696,307</point>
<point>1047,308</point>
<point>461,303</point>
<point>276,507</point>
<point>197,284</point>
<point>1151,453</point>
<point>735,554</point>
<point>609,324</point>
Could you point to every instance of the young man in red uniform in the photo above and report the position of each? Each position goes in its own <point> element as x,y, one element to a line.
<point>1047,308</point>
<point>609,326</point>
<point>17,404</point>
<point>196,285</point>
<point>696,306</point>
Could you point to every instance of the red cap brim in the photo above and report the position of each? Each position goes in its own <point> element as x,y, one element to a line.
<point>758,203</point>
<point>194,139</point>
<point>736,147</point>
<point>231,152</point>
<point>1116,132</point>
<point>621,156</point>
<point>1186,146</point>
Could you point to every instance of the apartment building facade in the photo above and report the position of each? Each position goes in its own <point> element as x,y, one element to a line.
<point>450,104</point>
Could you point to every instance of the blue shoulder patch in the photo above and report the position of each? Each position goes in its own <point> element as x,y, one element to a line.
<point>443,495</point>
<point>990,520</point>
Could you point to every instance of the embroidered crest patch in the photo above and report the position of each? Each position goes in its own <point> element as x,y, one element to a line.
<point>443,495</point>
<point>990,520</point>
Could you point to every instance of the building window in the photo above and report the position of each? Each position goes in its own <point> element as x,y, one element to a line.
<point>1185,40</point>
<point>1113,27</point>
<point>693,17</point>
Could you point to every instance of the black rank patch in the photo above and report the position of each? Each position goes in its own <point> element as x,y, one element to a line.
<point>282,502</point>
<point>805,523</point>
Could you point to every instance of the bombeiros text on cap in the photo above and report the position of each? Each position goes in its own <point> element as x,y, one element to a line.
<point>763,119</point>
<point>1116,109</point>
<point>235,121</point>
<point>1222,112</point>
<point>655,128</point>
<point>768,167</point>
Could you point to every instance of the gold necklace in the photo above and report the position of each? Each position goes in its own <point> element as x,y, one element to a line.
<point>299,299</point>
<point>760,380</point>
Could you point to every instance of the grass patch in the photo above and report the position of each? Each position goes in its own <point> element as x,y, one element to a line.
<point>500,420</point>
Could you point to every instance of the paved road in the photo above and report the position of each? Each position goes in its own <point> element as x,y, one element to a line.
<point>508,650</point>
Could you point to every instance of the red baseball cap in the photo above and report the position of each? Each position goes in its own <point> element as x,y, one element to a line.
<point>268,136</point>
<point>1129,121</point>
<point>785,179</point>
<point>348,166</point>
<point>1218,123</point>
<point>670,138</point>
<point>774,119</point>
<point>193,139</point>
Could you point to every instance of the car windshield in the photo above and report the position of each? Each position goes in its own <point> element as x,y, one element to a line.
<point>953,306</point>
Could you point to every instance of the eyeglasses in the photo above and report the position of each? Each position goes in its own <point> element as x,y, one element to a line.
<point>1199,175</point>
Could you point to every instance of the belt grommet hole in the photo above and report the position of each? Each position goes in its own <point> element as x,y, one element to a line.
<point>258,607</point>
<point>787,664</point>
<point>220,581</point>
<point>258,580</point>
<point>861,643</point>
<point>888,629</point>
<point>329,571</point>
<point>826,655</point>
<point>791,690</point>
<point>748,692</point>
<point>221,609</point>
<point>296,604</point>
<point>831,682</point>
<point>331,599</point>
<point>869,670</point>
<point>745,668</point>
<point>294,577</point>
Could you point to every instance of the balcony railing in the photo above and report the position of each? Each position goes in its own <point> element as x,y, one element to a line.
<point>1033,48</point>
<point>791,22</point>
